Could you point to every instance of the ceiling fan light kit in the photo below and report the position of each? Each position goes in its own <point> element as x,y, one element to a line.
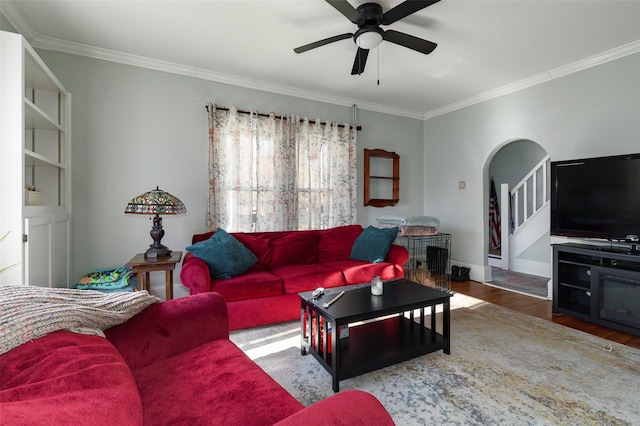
<point>368,39</point>
<point>368,17</point>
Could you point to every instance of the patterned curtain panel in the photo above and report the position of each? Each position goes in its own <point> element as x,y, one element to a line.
<point>272,173</point>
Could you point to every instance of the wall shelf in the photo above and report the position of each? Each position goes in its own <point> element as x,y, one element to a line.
<point>36,118</point>
<point>381,178</point>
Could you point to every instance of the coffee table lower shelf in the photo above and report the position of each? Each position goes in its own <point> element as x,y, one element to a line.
<point>374,345</point>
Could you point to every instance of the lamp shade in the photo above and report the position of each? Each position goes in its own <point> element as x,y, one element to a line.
<point>155,202</point>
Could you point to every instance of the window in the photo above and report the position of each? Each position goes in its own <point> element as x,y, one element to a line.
<point>271,173</point>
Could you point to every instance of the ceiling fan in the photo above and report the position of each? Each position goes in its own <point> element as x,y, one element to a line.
<point>368,17</point>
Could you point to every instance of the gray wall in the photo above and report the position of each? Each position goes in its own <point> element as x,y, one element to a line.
<point>5,25</point>
<point>134,128</point>
<point>595,112</point>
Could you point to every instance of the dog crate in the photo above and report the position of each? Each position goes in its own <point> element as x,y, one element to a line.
<point>429,259</point>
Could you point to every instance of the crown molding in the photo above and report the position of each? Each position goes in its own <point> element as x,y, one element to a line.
<point>49,43</point>
<point>602,58</point>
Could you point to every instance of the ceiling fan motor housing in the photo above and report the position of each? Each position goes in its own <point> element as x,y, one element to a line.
<point>370,15</point>
<point>369,22</point>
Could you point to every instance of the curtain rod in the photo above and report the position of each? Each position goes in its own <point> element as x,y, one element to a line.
<point>358,128</point>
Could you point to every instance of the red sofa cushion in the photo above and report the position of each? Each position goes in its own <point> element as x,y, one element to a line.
<point>336,243</point>
<point>247,396</point>
<point>249,285</point>
<point>359,271</point>
<point>264,310</point>
<point>298,247</point>
<point>67,378</point>
<point>258,244</point>
<point>201,237</point>
<point>297,278</point>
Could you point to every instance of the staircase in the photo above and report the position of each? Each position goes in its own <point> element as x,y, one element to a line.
<point>526,222</point>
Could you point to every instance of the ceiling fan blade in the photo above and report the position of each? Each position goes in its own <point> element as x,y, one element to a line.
<point>406,40</point>
<point>405,9</point>
<point>360,62</point>
<point>344,7</point>
<point>322,42</point>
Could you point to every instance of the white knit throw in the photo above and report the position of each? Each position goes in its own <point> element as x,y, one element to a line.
<point>28,312</point>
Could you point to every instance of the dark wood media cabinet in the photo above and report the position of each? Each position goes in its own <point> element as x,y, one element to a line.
<point>599,284</point>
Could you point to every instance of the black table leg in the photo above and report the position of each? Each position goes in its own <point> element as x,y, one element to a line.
<point>305,334</point>
<point>446,327</point>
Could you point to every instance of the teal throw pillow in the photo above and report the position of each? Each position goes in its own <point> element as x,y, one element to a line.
<point>226,256</point>
<point>373,244</point>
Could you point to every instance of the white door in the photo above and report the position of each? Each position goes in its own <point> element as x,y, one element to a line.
<point>47,251</point>
<point>36,251</point>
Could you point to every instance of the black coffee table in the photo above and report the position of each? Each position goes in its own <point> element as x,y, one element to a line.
<point>386,330</point>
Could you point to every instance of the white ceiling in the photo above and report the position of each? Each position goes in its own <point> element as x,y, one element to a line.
<point>485,48</point>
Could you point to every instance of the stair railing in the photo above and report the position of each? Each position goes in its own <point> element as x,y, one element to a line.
<point>530,194</point>
<point>512,220</point>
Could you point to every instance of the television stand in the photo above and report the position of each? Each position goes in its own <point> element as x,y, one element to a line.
<point>597,285</point>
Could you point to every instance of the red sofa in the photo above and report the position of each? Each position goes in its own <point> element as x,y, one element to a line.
<point>171,364</point>
<point>289,262</point>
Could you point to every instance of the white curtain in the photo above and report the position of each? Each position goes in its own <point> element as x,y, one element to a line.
<point>268,173</point>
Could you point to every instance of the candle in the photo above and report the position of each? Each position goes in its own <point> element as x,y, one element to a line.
<point>377,286</point>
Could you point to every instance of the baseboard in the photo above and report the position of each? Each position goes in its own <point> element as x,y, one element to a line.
<point>478,273</point>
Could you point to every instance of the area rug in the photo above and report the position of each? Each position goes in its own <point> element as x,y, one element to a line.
<point>524,283</point>
<point>504,368</point>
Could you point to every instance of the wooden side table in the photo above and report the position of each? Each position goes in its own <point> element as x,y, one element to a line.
<point>142,267</point>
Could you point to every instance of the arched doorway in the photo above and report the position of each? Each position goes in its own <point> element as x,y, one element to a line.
<point>526,264</point>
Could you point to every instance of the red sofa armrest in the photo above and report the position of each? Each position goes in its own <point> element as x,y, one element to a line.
<point>170,328</point>
<point>397,255</point>
<point>349,408</point>
<point>195,274</point>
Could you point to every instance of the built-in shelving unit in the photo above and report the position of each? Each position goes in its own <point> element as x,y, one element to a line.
<point>36,176</point>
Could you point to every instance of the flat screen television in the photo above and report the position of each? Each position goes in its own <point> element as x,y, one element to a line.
<point>597,198</point>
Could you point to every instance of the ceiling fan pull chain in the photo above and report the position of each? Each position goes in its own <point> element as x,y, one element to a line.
<point>378,65</point>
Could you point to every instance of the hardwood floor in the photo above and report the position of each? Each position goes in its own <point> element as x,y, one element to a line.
<point>539,308</point>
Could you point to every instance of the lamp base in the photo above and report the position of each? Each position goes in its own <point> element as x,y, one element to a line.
<point>157,252</point>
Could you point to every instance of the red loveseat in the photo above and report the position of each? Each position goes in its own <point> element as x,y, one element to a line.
<point>171,364</point>
<point>289,262</point>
